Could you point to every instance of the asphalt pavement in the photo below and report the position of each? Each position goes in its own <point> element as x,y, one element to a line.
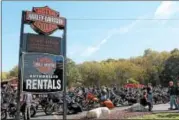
<point>41,114</point>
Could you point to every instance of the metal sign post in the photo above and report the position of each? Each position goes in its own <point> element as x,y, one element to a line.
<point>44,21</point>
<point>65,75</point>
<point>19,67</point>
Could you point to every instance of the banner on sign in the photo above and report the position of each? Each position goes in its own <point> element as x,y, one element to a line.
<point>42,72</point>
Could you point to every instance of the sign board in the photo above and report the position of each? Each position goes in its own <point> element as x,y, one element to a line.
<point>44,20</point>
<point>42,72</point>
<point>41,67</point>
<point>42,44</point>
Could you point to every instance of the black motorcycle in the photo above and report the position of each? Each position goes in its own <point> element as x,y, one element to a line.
<point>3,112</point>
<point>116,100</point>
<point>33,109</point>
<point>72,106</point>
<point>56,105</point>
<point>11,110</point>
<point>43,102</point>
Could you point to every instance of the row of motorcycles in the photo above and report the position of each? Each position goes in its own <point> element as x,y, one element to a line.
<point>10,109</point>
<point>56,105</point>
<point>48,106</point>
<point>78,102</point>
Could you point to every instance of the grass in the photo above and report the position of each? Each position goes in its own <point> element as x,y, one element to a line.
<point>172,116</point>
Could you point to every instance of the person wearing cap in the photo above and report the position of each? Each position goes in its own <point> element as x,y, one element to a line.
<point>172,93</point>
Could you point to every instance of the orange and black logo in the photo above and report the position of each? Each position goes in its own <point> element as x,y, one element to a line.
<point>44,20</point>
<point>44,65</point>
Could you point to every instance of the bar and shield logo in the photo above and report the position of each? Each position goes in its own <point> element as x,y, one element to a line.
<point>44,20</point>
<point>44,65</point>
<point>42,72</point>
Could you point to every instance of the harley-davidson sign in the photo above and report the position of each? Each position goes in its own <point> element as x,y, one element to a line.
<point>44,20</point>
<point>42,72</point>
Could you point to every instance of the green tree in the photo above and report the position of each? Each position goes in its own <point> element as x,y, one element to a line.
<point>131,80</point>
<point>90,72</point>
<point>171,69</point>
<point>14,71</point>
<point>73,74</point>
<point>4,76</point>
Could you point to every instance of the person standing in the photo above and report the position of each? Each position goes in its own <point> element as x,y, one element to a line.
<point>27,99</point>
<point>172,93</point>
<point>177,94</point>
<point>149,93</point>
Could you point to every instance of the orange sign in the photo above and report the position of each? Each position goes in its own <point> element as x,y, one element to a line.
<point>44,20</point>
<point>44,65</point>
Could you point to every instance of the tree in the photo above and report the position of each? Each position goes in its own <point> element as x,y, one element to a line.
<point>147,52</point>
<point>131,80</point>
<point>14,72</point>
<point>171,69</point>
<point>152,66</point>
<point>4,76</point>
<point>176,50</point>
<point>90,72</point>
<point>73,74</point>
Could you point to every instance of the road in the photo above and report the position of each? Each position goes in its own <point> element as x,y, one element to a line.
<point>41,114</point>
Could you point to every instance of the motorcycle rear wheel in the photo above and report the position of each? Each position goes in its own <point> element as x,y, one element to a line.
<point>3,114</point>
<point>49,109</point>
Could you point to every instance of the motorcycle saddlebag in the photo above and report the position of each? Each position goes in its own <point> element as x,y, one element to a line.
<point>109,104</point>
<point>77,107</point>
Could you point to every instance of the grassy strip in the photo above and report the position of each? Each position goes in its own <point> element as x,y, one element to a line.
<point>172,116</point>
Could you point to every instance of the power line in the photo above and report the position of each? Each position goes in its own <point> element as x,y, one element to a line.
<point>118,19</point>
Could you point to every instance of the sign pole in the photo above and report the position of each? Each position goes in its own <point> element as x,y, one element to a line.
<point>65,75</point>
<point>40,24</point>
<point>19,66</point>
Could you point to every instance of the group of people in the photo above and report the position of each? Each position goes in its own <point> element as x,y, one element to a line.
<point>145,100</point>
<point>173,91</point>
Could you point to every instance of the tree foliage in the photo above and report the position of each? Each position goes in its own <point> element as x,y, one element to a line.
<point>152,66</point>
<point>14,71</point>
<point>171,67</point>
<point>4,76</point>
<point>73,75</point>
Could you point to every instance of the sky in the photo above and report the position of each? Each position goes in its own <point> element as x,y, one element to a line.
<point>99,30</point>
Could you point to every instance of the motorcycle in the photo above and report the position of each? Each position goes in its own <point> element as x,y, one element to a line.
<point>11,110</point>
<point>33,109</point>
<point>54,106</point>
<point>106,103</point>
<point>72,106</point>
<point>91,102</point>
<point>116,100</point>
<point>3,112</point>
<point>43,102</point>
